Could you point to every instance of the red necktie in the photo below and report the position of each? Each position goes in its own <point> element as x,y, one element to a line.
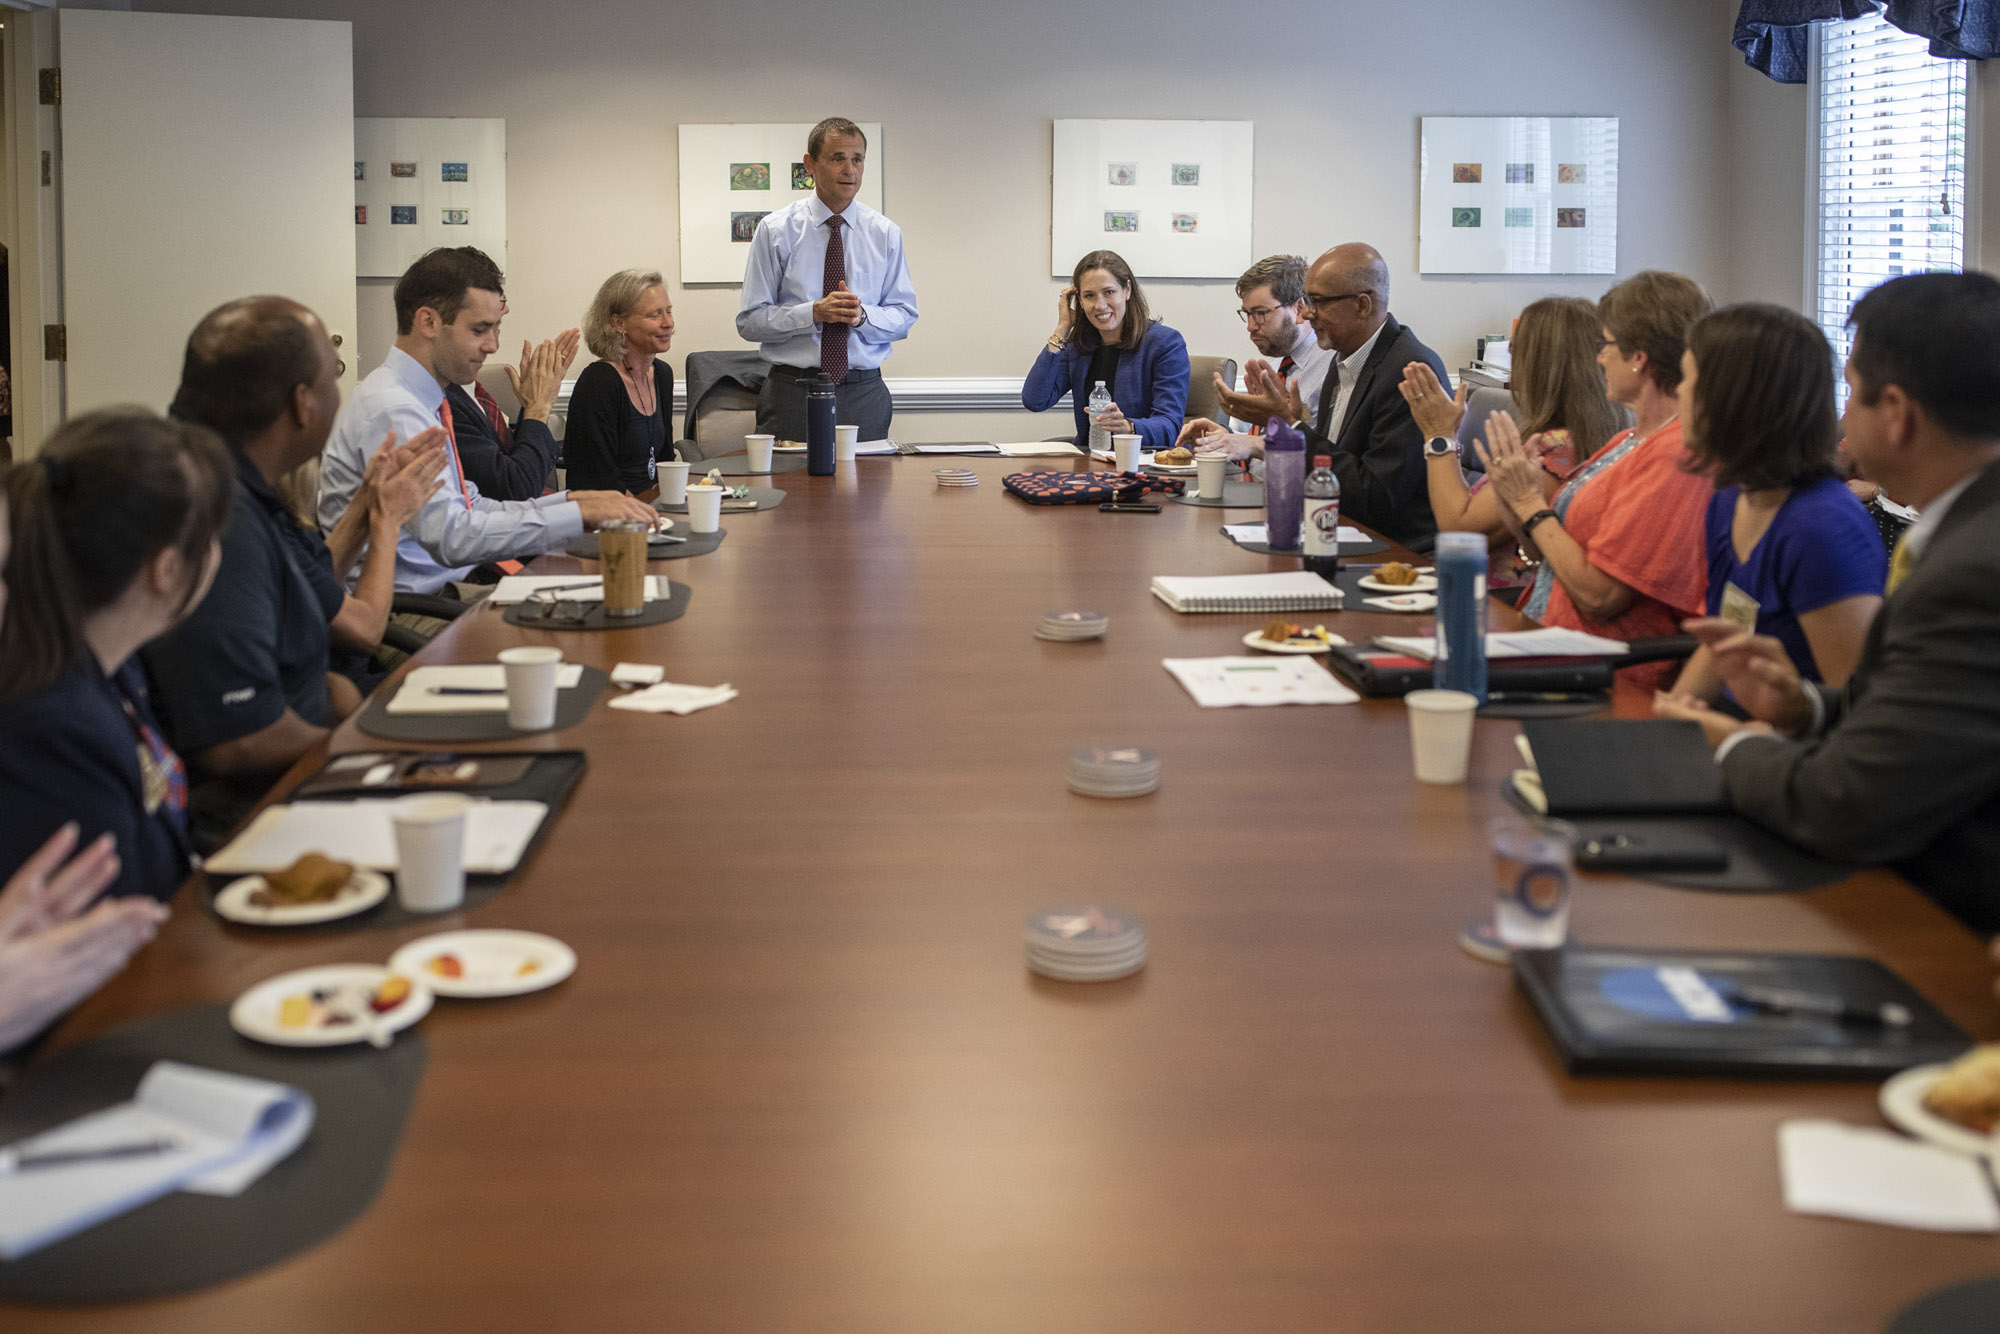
<point>451,443</point>
<point>833,337</point>
<point>491,407</point>
<point>1284,373</point>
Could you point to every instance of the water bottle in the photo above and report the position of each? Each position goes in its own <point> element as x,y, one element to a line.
<point>1322,519</point>
<point>1100,403</point>
<point>1284,476</point>
<point>1461,614</point>
<point>820,405</point>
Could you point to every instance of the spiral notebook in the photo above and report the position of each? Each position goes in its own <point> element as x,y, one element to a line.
<point>1298,590</point>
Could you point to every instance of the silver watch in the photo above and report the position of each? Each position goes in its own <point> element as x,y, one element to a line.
<point>1440,445</point>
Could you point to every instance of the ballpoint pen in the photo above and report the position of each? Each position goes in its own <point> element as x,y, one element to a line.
<point>1813,1005</point>
<point>13,1160</point>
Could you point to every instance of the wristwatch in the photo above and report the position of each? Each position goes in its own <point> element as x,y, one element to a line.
<point>1440,445</point>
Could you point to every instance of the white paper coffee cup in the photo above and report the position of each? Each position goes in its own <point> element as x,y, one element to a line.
<point>757,450</point>
<point>673,483</point>
<point>1210,471</point>
<point>845,438</point>
<point>1441,733</point>
<point>704,504</point>
<point>430,850</point>
<point>1125,452</point>
<point>531,686</point>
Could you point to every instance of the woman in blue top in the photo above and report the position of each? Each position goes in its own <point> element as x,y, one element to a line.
<point>1791,552</point>
<point>114,538</point>
<point>1143,363</point>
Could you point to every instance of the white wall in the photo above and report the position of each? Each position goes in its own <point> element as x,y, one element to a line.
<point>592,93</point>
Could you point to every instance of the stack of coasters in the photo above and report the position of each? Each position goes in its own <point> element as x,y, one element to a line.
<point>1085,944</point>
<point>1101,771</point>
<point>955,476</point>
<point>1065,626</point>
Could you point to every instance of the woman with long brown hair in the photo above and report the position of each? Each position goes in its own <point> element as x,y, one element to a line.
<point>114,538</point>
<point>1142,363</point>
<point>1559,391</point>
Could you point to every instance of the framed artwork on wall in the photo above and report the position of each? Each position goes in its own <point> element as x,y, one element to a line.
<point>421,182</point>
<point>1170,196</point>
<point>732,175</point>
<point>1518,194</point>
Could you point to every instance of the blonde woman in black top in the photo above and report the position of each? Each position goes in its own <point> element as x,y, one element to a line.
<point>619,413</point>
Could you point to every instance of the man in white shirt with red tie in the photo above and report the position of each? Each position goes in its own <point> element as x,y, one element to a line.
<point>448,309</point>
<point>1271,303</point>
<point>826,289</point>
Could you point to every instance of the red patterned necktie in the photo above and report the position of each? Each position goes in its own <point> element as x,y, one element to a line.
<point>491,407</point>
<point>833,337</point>
<point>1285,367</point>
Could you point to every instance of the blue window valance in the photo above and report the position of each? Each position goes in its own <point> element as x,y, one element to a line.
<point>1771,34</point>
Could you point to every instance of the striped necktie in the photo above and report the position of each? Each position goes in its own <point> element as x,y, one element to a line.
<point>491,407</point>
<point>833,337</point>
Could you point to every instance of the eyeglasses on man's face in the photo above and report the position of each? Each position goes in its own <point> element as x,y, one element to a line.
<point>1256,315</point>
<point>1314,303</point>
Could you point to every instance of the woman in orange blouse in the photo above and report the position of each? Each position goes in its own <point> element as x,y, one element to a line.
<point>1623,543</point>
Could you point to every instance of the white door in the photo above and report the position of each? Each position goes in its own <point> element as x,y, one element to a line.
<point>202,159</point>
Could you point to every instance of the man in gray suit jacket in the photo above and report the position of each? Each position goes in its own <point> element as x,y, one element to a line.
<point>1363,423</point>
<point>1903,765</point>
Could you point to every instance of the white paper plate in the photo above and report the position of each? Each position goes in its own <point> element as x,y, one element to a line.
<point>1255,639</point>
<point>1902,1103</point>
<point>1425,583</point>
<point>492,960</point>
<point>1173,469</point>
<point>364,889</point>
<point>255,1013</point>
<point>1404,602</point>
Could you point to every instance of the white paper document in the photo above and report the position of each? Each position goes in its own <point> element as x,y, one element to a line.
<point>667,697</point>
<point>1111,456</point>
<point>1261,532</point>
<point>418,692</point>
<point>1878,1177</point>
<point>225,1130</point>
<point>1549,642</point>
<point>969,447</point>
<point>1040,449</point>
<point>579,587</point>
<point>1221,683</point>
<point>1296,590</point>
<point>860,447</point>
<point>496,834</point>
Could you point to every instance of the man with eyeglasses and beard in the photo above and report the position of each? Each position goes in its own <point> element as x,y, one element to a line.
<point>1271,303</point>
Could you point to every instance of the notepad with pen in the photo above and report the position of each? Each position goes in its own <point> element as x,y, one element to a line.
<point>1691,1012</point>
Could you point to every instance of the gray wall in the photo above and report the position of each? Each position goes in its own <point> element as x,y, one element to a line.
<point>592,92</point>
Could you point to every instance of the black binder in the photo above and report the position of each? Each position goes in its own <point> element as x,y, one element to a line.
<point>1651,766</point>
<point>1609,1011</point>
<point>1376,672</point>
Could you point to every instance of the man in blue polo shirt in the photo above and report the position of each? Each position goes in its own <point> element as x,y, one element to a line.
<point>243,686</point>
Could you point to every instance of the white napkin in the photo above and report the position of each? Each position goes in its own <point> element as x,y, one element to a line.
<point>1857,1172</point>
<point>667,697</point>
<point>637,674</point>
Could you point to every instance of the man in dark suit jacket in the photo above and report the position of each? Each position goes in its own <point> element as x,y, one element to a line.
<point>513,464</point>
<point>1902,766</point>
<point>1363,423</point>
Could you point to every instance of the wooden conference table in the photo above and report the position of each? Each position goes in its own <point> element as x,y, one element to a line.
<point>802,1080</point>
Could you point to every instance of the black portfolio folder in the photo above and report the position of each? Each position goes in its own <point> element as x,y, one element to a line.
<point>1674,1012</point>
<point>1376,671</point>
<point>1652,766</point>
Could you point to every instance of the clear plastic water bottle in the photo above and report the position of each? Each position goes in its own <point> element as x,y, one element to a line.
<point>1322,519</point>
<point>1461,614</point>
<point>1100,403</point>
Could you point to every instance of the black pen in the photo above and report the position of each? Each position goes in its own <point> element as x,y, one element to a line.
<point>1547,697</point>
<point>1813,1005</point>
<point>466,690</point>
<point>12,1160</point>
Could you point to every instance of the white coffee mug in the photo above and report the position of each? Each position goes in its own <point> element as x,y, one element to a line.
<point>704,504</point>
<point>531,686</point>
<point>430,850</point>
<point>757,450</point>
<point>1210,473</point>
<point>673,483</point>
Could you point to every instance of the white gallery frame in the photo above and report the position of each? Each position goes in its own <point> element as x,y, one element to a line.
<point>713,244</point>
<point>1518,194</point>
<point>1187,184</point>
<point>433,147</point>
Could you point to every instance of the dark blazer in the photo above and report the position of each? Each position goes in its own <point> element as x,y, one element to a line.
<point>1150,388</point>
<point>515,470</point>
<point>1379,456</point>
<point>70,753</point>
<point>1907,769</point>
<point>606,446</point>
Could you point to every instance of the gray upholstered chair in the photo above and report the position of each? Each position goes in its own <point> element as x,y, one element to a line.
<point>1201,399</point>
<point>1484,402</point>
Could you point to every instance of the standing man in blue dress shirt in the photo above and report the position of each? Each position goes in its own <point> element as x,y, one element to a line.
<point>827,289</point>
<point>448,309</point>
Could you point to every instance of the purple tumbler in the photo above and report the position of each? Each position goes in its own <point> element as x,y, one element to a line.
<point>1284,485</point>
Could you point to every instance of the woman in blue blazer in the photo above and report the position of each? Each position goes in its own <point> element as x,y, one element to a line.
<point>1141,361</point>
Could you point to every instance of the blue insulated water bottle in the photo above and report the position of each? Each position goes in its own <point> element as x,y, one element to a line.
<point>820,406</point>
<point>1461,614</point>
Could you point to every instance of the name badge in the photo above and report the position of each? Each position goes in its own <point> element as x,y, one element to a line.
<point>1739,608</point>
